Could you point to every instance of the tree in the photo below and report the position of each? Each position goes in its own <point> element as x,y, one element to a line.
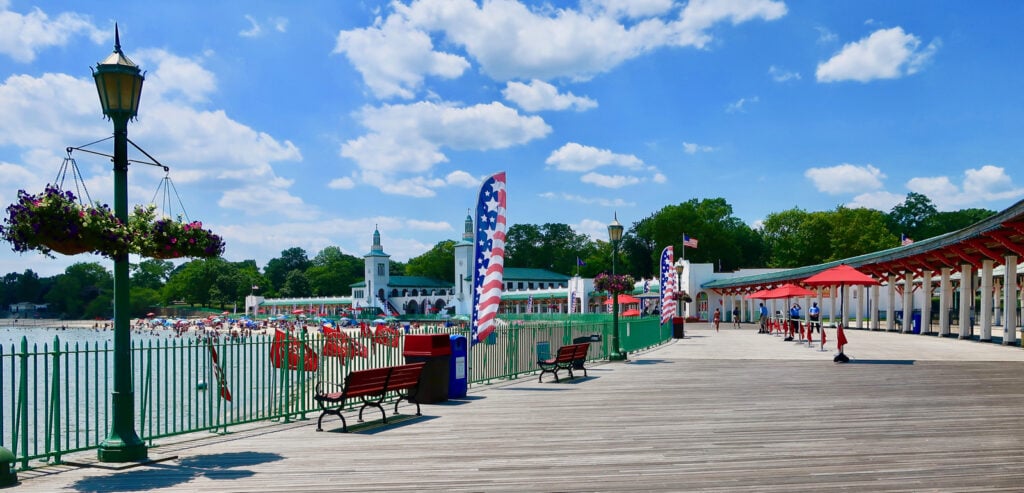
<point>278,268</point>
<point>296,285</point>
<point>910,216</point>
<point>796,237</point>
<point>192,281</point>
<point>332,272</point>
<point>945,222</point>
<point>858,231</point>
<point>151,273</point>
<point>552,246</point>
<point>436,264</point>
<point>78,288</point>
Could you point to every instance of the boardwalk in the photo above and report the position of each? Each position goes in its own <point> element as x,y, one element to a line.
<point>727,411</point>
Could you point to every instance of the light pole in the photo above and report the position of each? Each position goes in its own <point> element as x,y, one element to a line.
<point>119,84</point>
<point>679,287</point>
<point>615,235</point>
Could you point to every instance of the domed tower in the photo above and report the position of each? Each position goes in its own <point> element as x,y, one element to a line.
<point>378,271</point>
<point>464,268</point>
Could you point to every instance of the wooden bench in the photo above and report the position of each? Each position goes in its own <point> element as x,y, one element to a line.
<point>567,355</point>
<point>371,386</point>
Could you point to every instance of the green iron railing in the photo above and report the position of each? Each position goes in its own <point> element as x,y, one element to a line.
<point>55,398</point>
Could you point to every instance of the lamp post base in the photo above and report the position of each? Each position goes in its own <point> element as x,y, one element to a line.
<point>617,356</point>
<point>116,450</point>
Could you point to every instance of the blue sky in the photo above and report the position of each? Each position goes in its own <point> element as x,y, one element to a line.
<point>308,123</point>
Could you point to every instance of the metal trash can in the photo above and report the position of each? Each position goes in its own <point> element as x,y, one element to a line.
<point>434,350</point>
<point>678,327</point>
<point>578,364</point>
<point>458,383</point>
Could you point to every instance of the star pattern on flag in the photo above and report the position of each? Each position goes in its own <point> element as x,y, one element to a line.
<point>489,255</point>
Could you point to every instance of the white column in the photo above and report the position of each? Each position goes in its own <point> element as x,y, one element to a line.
<point>908,302</point>
<point>926,307</point>
<point>860,305</point>
<point>874,307</point>
<point>1010,295</point>
<point>945,300</point>
<point>986,300</point>
<point>966,294</point>
<point>890,311</point>
<point>832,293</point>
<point>997,298</point>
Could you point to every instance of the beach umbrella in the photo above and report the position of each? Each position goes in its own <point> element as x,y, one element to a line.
<point>762,294</point>
<point>632,312</point>
<point>842,275</point>
<point>787,291</point>
<point>298,312</point>
<point>150,314</point>
<point>624,299</point>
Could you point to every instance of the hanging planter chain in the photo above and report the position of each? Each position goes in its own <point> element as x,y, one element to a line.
<point>164,189</point>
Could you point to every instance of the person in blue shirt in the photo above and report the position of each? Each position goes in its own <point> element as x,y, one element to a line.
<point>814,313</point>
<point>764,319</point>
<point>794,317</point>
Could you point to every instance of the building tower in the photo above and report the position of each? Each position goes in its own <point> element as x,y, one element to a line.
<point>378,273</point>
<point>464,269</point>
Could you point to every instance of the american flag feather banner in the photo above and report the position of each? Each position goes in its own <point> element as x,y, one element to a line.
<point>668,285</point>
<point>489,255</point>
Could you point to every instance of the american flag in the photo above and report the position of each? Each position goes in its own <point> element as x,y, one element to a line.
<point>689,242</point>
<point>529,304</point>
<point>905,240</point>
<point>489,255</point>
<point>572,302</point>
<point>668,285</point>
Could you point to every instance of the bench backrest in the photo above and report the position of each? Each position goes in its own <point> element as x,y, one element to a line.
<point>405,376</point>
<point>581,351</point>
<point>367,382</point>
<point>566,353</point>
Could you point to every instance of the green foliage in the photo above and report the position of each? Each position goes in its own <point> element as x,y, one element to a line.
<point>552,246</point>
<point>151,273</point>
<point>278,268</point>
<point>910,216</point>
<point>437,263</point>
<point>78,287</point>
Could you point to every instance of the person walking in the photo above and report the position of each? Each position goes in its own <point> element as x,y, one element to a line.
<point>763,310</point>
<point>736,317</point>
<point>794,320</point>
<point>717,318</point>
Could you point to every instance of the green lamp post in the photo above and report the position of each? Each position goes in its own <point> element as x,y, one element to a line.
<point>119,84</point>
<point>615,235</point>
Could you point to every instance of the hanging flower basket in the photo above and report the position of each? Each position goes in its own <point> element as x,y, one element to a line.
<point>614,283</point>
<point>167,238</point>
<point>55,221</point>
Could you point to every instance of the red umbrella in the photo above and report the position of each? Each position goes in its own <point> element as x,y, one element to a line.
<point>225,313</point>
<point>150,314</point>
<point>631,313</point>
<point>299,311</point>
<point>759,295</point>
<point>624,299</point>
<point>789,291</point>
<point>841,275</point>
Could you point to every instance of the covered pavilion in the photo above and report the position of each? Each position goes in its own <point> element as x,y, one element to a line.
<point>973,271</point>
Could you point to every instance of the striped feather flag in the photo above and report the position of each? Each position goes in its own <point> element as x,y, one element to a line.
<point>489,255</point>
<point>668,285</point>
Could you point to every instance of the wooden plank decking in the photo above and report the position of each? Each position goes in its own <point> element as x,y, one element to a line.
<point>728,411</point>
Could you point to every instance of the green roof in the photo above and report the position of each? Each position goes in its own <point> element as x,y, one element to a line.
<point>410,282</point>
<point>546,295</point>
<point>528,274</point>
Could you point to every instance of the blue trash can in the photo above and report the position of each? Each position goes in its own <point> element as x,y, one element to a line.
<point>915,321</point>
<point>458,382</point>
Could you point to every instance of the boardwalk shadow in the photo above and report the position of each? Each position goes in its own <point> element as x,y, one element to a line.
<point>225,466</point>
<point>377,426</point>
<point>649,361</point>
<point>882,361</point>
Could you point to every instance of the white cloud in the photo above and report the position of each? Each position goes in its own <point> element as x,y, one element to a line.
<point>23,36</point>
<point>407,139</point>
<point>781,75</point>
<point>659,178</point>
<point>279,24</point>
<point>826,36</point>
<point>595,229</point>
<point>632,9</point>
<point>700,15</point>
<point>602,201</point>
<point>609,181</point>
<point>259,200</point>
<point>539,96</point>
<point>691,148</point>
<point>394,56</point>
<point>880,200</point>
<point>845,178</point>
<point>576,157</point>
<point>343,183</point>
<point>980,185</point>
<point>171,76</point>
<point>885,54</point>
<point>428,225</point>
<point>739,105</point>
<point>511,40</point>
<point>462,179</point>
